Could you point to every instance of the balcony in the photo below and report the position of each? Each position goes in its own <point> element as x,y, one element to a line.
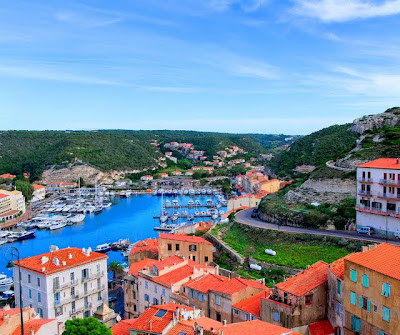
<point>58,288</point>
<point>371,210</point>
<point>365,180</point>
<point>93,276</point>
<point>390,182</point>
<point>365,193</point>
<point>389,196</point>
<point>87,305</point>
<point>76,311</point>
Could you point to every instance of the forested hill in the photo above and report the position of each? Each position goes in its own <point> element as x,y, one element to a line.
<point>34,151</point>
<point>315,149</point>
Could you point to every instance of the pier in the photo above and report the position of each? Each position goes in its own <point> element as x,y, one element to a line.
<point>189,206</point>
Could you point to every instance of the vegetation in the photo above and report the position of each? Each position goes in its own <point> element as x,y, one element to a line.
<point>315,149</point>
<point>116,268</point>
<point>87,326</point>
<point>25,188</point>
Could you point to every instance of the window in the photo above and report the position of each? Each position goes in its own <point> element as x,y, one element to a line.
<point>29,278</point>
<point>338,286</point>
<point>206,259</point>
<point>308,299</point>
<point>99,296</point>
<point>85,274</point>
<point>386,290</point>
<point>73,306</point>
<point>375,308</point>
<point>30,293</point>
<point>246,317</point>
<point>355,323</point>
<point>39,298</point>
<point>218,317</point>
<point>146,285</point>
<point>85,288</point>
<point>275,315</point>
<point>163,291</point>
<point>146,297</point>
<point>338,308</point>
<point>193,247</point>
<point>364,303</point>
<point>200,297</point>
<point>56,283</point>
<point>160,313</point>
<point>236,312</point>
<point>353,275</point>
<point>56,298</point>
<point>73,292</point>
<point>193,258</point>
<point>40,312</point>
<point>169,246</point>
<point>352,298</point>
<point>381,332</point>
<point>72,275</point>
<point>98,268</point>
<point>217,299</point>
<point>385,313</point>
<point>155,301</point>
<point>38,284</point>
<point>177,247</point>
<point>155,289</point>
<point>364,280</point>
<point>98,283</point>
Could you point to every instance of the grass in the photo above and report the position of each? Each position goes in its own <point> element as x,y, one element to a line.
<point>292,250</point>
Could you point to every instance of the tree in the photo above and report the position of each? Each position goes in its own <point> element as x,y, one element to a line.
<point>25,188</point>
<point>87,326</point>
<point>81,182</point>
<point>116,268</point>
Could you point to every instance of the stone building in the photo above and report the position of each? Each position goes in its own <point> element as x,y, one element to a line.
<point>335,295</point>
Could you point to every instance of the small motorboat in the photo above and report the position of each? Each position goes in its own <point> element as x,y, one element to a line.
<point>107,205</point>
<point>196,213</point>
<point>197,203</point>
<point>77,218</point>
<point>103,247</point>
<point>190,218</point>
<point>163,218</point>
<point>57,225</point>
<point>190,202</point>
<point>24,235</point>
<point>5,282</point>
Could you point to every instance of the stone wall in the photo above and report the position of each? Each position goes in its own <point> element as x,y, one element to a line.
<point>222,246</point>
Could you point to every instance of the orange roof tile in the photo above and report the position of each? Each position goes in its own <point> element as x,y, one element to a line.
<point>3,195</point>
<point>34,263</point>
<point>185,238</point>
<point>306,280</point>
<point>186,327</point>
<point>321,328</point>
<point>37,187</point>
<point>140,265</point>
<point>337,268</point>
<point>122,327</point>
<point>382,163</point>
<point>170,261</point>
<point>254,327</point>
<point>10,312</point>
<point>149,244</point>
<point>381,259</point>
<point>175,276</point>
<point>7,176</point>
<point>34,324</point>
<point>251,305</point>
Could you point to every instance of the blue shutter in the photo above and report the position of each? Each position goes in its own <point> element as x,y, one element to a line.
<point>368,306</point>
<point>352,298</point>
<point>357,324</point>
<point>360,304</point>
<point>365,280</point>
<point>385,314</point>
<point>353,275</point>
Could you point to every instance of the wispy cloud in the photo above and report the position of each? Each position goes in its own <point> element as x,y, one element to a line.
<point>255,69</point>
<point>52,74</point>
<point>345,10</point>
<point>82,20</point>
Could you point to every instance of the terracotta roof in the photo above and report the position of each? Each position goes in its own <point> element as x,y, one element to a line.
<point>149,244</point>
<point>337,268</point>
<point>37,187</point>
<point>3,195</point>
<point>9,312</point>
<point>122,327</point>
<point>382,163</point>
<point>321,328</point>
<point>212,282</point>
<point>34,324</point>
<point>175,276</point>
<point>186,327</point>
<point>381,259</point>
<point>254,327</point>
<point>306,280</point>
<point>7,176</point>
<point>34,263</point>
<point>251,305</point>
<point>185,238</point>
<point>170,261</point>
<point>140,265</point>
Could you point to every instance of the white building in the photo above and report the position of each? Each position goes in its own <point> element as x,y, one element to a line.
<point>63,284</point>
<point>39,192</point>
<point>11,204</point>
<point>378,195</point>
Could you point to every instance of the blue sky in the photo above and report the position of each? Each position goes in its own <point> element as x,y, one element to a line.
<point>266,66</point>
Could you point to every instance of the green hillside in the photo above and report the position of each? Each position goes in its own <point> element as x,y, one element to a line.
<point>315,149</point>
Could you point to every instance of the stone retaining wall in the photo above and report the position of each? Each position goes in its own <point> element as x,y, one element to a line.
<point>222,246</point>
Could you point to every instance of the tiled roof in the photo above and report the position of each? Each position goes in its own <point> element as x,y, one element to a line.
<point>185,238</point>
<point>212,282</point>
<point>254,327</point>
<point>251,305</point>
<point>337,268</point>
<point>7,176</point>
<point>140,265</point>
<point>306,280</point>
<point>186,327</point>
<point>321,328</point>
<point>382,259</point>
<point>170,261</point>
<point>34,263</point>
<point>175,276</point>
<point>34,324</point>
<point>382,163</point>
<point>10,312</point>
<point>3,196</point>
<point>37,187</point>
<point>122,327</point>
<point>149,244</point>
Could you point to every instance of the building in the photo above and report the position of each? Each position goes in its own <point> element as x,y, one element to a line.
<point>378,195</point>
<point>248,309</point>
<point>372,291</point>
<point>216,295</point>
<point>147,248</point>
<point>245,200</point>
<point>299,300</point>
<point>130,287</point>
<point>189,173</point>
<point>270,186</point>
<point>177,173</point>
<point>39,192</point>
<point>191,247</point>
<point>7,176</point>
<point>147,177</point>
<point>159,283</point>
<point>322,327</point>
<point>60,186</point>
<point>163,175</point>
<point>335,295</point>
<point>63,283</point>
<point>12,203</point>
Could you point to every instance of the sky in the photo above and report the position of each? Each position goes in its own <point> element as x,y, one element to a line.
<point>243,66</point>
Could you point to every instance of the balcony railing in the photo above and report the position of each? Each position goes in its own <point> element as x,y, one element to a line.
<point>363,192</point>
<point>389,195</point>
<point>375,210</point>
<point>87,305</point>
<point>365,180</point>
<point>389,182</point>
<point>93,276</point>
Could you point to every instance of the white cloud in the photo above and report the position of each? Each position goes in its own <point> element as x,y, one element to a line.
<point>255,69</point>
<point>345,10</point>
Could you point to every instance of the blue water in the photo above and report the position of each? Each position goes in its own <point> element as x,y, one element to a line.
<point>128,217</point>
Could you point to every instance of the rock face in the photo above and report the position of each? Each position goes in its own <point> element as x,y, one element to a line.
<point>389,118</point>
<point>323,190</point>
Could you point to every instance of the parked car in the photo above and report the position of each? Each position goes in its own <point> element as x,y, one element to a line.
<point>365,230</point>
<point>253,215</point>
<point>397,235</point>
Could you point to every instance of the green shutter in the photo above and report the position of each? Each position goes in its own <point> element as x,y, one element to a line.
<point>357,324</point>
<point>353,275</point>
<point>360,301</point>
<point>365,280</point>
<point>352,322</point>
<point>380,332</point>
<point>352,298</point>
<point>385,314</point>
<point>368,306</point>
<point>338,287</point>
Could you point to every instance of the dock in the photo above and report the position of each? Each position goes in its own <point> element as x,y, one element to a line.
<point>187,215</point>
<point>189,206</point>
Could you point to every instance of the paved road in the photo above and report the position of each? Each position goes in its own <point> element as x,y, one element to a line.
<point>244,217</point>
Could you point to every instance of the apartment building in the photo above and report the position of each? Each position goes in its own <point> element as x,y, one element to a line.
<point>216,295</point>
<point>39,192</point>
<point>248,309</point>
<point>191,247</point>
<point>63,283</point>
<point>11,204</point>
<point>245,200</point>
<point>372,291</point>
<point>159,283</point>
<point>378,195</point>
<point>299,300</point>
<point>335,296</point>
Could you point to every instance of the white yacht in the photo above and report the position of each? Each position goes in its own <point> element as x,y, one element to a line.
<point>103,247</point>
<point>77,218</point>
<point>57,225</point>
<point>5,282</point>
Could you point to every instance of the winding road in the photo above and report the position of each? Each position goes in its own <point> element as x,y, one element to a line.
<point>244,217</point>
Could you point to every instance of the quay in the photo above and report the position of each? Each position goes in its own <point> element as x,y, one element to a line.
<point>189,206</point>
<point>180,216</point>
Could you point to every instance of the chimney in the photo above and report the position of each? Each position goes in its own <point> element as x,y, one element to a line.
<point>43,269</point>
<point>69,256</point>
<point>150,325</point>
<point>6,308</point>
<point>44,260</point>
<point>224,323</point>
<point>56,262</point>
<point>31,332</point>
<point>64,263</point>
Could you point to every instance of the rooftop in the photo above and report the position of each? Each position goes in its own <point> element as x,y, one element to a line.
<point>337,268</point>
<point>382,163</point>
<point>254,327</point>
<point>321,328</point>
<point>34,325</point>
<point>186,327</point>
<point>3,196</point>
<point>9,312</point>
<point>37,187</point>
<point>185,238</point>
<point>251,305</point>
<point>381,259</point>
<point>306,280</point>
<point>149,244</point>
<point>59,260</point>
<point>122,327</point>
<point>140,265</point>
<point>7,176</point>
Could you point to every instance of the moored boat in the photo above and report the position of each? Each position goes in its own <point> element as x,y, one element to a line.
<point>5,282</point>
<point>103,247</point>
